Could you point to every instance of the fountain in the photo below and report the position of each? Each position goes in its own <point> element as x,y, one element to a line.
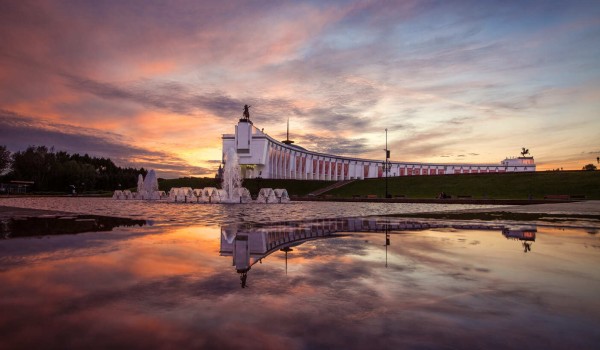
<point>140,184</point>
<point>182,194</point>
<point>232,180</point>
<point>282,195</point>
<point>266,195</point>
<point>231,189</point>
<point>197,192</point>
<point>147,188</point>
<point>210,194</point>
<point>269,195</point>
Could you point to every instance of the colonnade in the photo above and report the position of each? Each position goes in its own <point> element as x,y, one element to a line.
<point>285,162</point>
<point>262,156</point>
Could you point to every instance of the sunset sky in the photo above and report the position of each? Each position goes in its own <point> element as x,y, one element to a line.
<point>156,83</point>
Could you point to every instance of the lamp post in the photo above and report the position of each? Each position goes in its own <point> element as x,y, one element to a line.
<point>386,165</point>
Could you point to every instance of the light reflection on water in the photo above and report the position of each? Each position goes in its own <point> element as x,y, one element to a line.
<point>178,287</point>
<point>186,213</point>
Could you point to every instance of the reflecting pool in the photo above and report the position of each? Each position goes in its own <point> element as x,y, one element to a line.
<point>160,212</point>
<point>311,284</point>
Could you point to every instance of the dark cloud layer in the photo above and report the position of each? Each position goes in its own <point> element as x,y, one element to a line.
<point>167,96</point>
<point>335,145</point>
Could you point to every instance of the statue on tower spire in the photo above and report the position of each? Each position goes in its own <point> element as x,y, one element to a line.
<point>246,113</point>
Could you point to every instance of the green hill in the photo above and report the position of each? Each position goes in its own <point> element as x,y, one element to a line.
<point>478,186</point>
<point>490,186</point>
<point>294,187</point>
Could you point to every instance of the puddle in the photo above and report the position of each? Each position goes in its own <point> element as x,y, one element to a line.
<point>45,225</point>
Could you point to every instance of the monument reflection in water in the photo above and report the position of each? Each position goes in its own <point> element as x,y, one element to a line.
<point>446,285</point>
<point>249,244</point>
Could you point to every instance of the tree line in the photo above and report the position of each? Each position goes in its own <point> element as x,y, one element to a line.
<point>59,171</point>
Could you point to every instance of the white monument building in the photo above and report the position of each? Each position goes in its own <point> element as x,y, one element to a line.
<point>262,156</point>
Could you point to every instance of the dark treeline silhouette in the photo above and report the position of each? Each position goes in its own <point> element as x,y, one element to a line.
<point>61,171</point>
<point>589,167</point>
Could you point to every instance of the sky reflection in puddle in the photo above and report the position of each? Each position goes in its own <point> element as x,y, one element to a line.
<point>340,285</point>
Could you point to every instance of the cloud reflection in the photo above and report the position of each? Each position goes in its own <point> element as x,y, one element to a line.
<point>168,287</point>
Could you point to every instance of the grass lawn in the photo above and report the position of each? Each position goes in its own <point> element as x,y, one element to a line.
<point>478,186</point>
<point>489,186</point>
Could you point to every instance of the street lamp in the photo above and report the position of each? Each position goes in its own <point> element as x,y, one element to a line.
<point>386,165</point>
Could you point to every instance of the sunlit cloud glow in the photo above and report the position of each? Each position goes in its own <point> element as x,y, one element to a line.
<point>156,85</point>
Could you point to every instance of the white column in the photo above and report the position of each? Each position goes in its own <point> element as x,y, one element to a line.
<point>286,163</point>
<point>271,168</point>
<point>360,170</point>
<point>281,163</point>
<point>273,164</point>
<point>334,174</point>
<point>294,168</point>
<point>277,163</point>
<point>304,175</point>
<point>289,164</point>
<point>322,175</point>
<point>319,169</point>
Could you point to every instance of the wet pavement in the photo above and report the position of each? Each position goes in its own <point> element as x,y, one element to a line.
<point>307,283</point>
<point>584,207</point>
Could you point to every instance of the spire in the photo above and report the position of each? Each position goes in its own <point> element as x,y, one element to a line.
<point>287,140</point>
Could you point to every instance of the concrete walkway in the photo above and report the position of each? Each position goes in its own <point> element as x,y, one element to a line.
<point>14,212</point>
<point>586,207</point>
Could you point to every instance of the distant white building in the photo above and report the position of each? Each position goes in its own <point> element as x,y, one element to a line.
<point>262,156</point>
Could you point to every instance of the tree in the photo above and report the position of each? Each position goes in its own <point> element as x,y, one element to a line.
<point>4,159</point>
<point>57,171</point>
<point>34,164</point>
<point>589,167</point>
